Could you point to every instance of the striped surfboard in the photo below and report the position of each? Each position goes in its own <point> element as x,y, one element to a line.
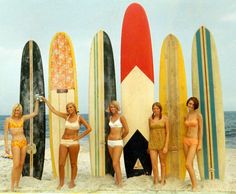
<point>102,90</point>
<point>206,86</point>
<point>173,97</point>
<point>137,88</point>
<point>62,90</point>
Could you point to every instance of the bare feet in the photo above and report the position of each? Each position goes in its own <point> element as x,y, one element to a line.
<point>194,188</point>
<point>59,187</point>
<point>163,182</point>
<point>72,184</point>
<point>12,188</point>
<point>155,181</point>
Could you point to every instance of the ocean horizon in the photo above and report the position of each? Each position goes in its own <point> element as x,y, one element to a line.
<point>229,118</point>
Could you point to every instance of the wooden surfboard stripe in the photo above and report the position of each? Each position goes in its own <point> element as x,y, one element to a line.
<point>31,103</point>
<point>207,96</point>
<point>97,115</point>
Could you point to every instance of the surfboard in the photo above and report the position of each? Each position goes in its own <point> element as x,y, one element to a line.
<point>173,97</point>
<point>206,86</point>
<point>102,90</point>
<point>137,88</point>
<point>62,90</point>
<point>32,83</point>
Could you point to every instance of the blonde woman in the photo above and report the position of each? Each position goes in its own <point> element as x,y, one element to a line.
<point>118,130</point>
<point>14,125</point>
<point>158,141</point>
<point>70,140</point>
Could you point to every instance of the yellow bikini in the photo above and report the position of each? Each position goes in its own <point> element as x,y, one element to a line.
<point>17,125</point>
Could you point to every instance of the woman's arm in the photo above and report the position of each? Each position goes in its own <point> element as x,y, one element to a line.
<point>87,126</point>
<point>51,108</point>
<point>125,127</point>
<point>6,135</point>
<point>33,114</point>
<point>165,150</point>
<point>199,147</point>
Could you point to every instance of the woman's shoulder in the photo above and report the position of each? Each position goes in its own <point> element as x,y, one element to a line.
<point>165,117</point>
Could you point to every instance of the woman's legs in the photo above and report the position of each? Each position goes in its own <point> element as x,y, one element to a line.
<point>189,164</point>
<point>154,160</point>
<point>16,166</point>
<point>163,166</point>
<point>115,153</point>
<point>63,152</point>
<point>22,161</point>
<point>73,152</point>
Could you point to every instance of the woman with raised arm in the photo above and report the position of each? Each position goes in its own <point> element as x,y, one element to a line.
<point>14,125</point>
<point>70,140</point>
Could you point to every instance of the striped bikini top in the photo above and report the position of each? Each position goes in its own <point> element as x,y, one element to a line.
<point>72,125</point>
<point>16,124</point>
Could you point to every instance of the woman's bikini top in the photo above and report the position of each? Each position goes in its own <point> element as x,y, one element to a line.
<point>16,125</point>
<point>116,124</point>
<point>72,125</point>
<point>191,123</point>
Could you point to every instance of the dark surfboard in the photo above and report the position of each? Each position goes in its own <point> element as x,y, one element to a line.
<point>109,92</point>
<point>30,85</point>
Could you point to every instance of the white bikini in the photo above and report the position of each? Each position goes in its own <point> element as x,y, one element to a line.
<point>72,126</point>
<point>116,124</point>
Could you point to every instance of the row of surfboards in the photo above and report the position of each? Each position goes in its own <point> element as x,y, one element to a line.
<point>137,96</point>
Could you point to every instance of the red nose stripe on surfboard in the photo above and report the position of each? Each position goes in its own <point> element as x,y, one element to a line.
<point>136,48</point>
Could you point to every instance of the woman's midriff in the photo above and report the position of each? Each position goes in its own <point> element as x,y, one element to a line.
<point>115,134</point>
<point>192,133</point>
<point>70,134</point>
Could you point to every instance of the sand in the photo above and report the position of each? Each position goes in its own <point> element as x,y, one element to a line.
<point>85,183</point>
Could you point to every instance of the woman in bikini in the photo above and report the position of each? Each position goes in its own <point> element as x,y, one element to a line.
<point>70,140</point>
<point>158,141</point>
<point>14,124</point>
<point>193,138</point>
<point>118,130</point>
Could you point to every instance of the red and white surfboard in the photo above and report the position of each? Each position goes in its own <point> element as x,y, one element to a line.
<point>137,88</point>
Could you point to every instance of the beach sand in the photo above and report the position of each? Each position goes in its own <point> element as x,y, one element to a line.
<point>85,183</point>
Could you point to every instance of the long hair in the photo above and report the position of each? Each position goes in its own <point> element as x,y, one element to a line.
<point>17,106</point>
<point>158,104</point>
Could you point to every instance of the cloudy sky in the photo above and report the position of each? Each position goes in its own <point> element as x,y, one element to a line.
<point>39,20</point>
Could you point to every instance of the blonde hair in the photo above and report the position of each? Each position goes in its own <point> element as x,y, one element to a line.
<point>73,104</point>
<point>115,104</point>
<point>14,109</point>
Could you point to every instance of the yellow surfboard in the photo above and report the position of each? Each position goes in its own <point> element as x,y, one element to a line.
<point>173,97</point>
<point>62,90</point>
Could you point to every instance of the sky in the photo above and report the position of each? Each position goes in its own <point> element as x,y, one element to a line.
<point>39,20</point>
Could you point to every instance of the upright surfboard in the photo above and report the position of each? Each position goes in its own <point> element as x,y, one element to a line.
<point>62,90</point>
<point>102,90</point>
<point>173,97</point>
<point>137,88</point>
<point>206,87</point>
<point>31,83</point>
